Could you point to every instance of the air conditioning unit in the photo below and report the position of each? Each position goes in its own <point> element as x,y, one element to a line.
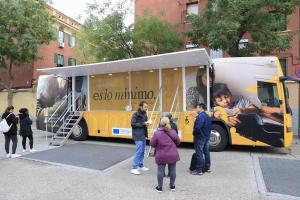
<point>61,44</point>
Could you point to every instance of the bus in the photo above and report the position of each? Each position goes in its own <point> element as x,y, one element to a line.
<point>246,98</point>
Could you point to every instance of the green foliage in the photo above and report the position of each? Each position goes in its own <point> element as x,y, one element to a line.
<point>106,36</point>
<point>24,26</point>
<point>155,36</point>
<point>225,22</point>
<point>106,39</point>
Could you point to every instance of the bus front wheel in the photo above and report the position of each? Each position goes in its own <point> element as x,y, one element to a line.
<point>80,131</point>
<point>218,138</point>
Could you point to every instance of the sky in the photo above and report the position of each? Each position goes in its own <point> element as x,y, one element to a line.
<point>75,8</point>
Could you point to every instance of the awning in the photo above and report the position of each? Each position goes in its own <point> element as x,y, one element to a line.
<point>196,57</point>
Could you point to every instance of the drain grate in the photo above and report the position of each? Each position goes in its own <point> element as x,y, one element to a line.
<point>281,175</point>
<point>91,156</point>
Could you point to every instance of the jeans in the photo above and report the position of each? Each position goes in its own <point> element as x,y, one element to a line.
<point>161,173</point>
<point>14,139</point>
<point>138,160</point>
<point>30,141</point>
<point>202,154</point>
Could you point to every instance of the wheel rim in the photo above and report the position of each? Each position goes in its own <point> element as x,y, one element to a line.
<point>215,138</point>
<point>77,131</point>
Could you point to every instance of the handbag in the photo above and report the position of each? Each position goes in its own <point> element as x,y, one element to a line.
<point>4,127</point>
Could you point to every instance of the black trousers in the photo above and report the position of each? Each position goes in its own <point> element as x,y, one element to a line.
<point>14,139</point>
<point>30,141</point>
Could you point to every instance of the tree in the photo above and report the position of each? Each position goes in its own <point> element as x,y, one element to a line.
<point>225,22</point>
<point>107,36</point>
<point>106,39</point>
<point>155,36</point>
<point>24,26</point>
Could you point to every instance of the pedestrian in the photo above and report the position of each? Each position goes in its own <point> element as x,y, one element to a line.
<point>11,135</point>
<point>201,132</point>
<point>165,141</point>
<point>172,123</point>
<point>25,129</point>
<point>139,124</point>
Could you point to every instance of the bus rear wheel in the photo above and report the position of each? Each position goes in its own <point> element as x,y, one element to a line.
<point>218,138</point>
<point>80,131</point>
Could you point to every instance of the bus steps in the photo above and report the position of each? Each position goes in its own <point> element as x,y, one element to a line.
<point>66,129</point>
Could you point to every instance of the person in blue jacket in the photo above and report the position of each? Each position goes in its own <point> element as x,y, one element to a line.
<point>201,132</point>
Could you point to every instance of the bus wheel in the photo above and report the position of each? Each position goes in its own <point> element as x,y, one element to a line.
<point>218,138</point>
<point>80,131</point>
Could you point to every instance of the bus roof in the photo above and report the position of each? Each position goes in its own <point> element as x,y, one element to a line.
<point>195,57</point>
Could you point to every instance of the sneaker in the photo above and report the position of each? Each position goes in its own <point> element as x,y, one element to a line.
<point>32,150</point>
<point>158,189</point>
<point>15,155</point>
<point>8,155</point>
<point>197,173</point>
<point>172,188</point>
<point>24,150</point>
<point>135,172</point>
<point>207,170</point>
<point>143,169</point>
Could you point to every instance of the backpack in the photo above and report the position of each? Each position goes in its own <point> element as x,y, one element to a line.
<point>4,127</point>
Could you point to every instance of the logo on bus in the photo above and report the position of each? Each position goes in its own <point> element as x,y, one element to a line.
<point>297,71</point>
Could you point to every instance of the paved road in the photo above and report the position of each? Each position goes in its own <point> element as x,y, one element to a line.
<point>233,177</point>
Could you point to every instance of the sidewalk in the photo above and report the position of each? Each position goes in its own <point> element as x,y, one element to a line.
<point>232,177</point>
<point>295,150</point>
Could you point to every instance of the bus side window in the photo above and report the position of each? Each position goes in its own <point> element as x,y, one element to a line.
<point>268,94</point>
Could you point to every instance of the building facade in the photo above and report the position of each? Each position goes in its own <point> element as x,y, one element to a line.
<point>176,12</point>
<point>59,52</point>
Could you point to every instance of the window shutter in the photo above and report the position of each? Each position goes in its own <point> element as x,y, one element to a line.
<point>57,34</point>
<point>69,40</point>
<point>63,61</point>
<point>55,58</point>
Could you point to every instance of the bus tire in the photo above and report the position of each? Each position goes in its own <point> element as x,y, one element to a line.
<point>80,132</point>
<point>218,138</point>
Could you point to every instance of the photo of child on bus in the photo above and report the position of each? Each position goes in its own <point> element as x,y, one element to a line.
<point>264,124</point>
<point>235,105</point>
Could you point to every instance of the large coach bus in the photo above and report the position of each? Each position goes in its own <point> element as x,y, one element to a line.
<point>246,97</point>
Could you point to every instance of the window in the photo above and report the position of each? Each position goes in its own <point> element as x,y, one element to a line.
<point>216,53</point>
<point>59,60</point>
<point>192,9</point>
<point>71,41</point>
<point>71,61</point>
<point>283,64</point>
<point>61,36</point>
<point>268,94</point>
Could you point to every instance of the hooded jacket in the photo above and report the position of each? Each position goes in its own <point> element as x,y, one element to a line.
<point>138,124</point>
<point>11,120</point>
<point>25,125</point>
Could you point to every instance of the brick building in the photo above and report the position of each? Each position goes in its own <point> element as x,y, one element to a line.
<point>59,52</point>
<point>176,12</point>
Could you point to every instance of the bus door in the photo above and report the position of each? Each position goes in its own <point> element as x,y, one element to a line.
<point>270,118</point>
<point>288,133</point>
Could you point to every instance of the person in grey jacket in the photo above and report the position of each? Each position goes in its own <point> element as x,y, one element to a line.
<point>139,124</point>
